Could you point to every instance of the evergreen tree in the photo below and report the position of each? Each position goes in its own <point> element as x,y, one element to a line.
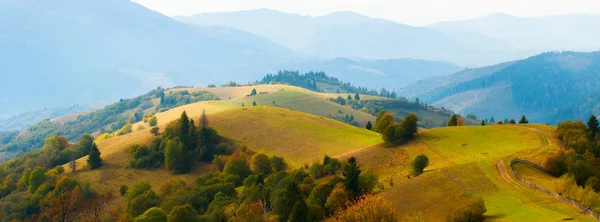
<point>453,121</point>
<point>351,175</point>
<point>592,126</point>
<point>253,92</point>
<point>349,98</point>
<point>482,122</point>
<point>254,103</point>
<point>184,129</point>
<point>356,97</point>
<point>94,161</point>
<point>284,204</point>
<point>176,159</point>
<point>369,125</point>
<point>523,120</point>
<point>492,120</point>
<point>299,212</point>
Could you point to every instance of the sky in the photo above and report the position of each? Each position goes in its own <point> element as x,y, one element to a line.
<point>411,12</point>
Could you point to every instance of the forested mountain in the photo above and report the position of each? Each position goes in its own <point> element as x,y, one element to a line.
<point>549,87</point>
<point>560,32</point>
<point>348,34</point>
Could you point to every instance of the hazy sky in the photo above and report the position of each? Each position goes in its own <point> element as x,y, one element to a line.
<point>412,12</point>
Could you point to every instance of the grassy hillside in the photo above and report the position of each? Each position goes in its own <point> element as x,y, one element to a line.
<point>298,137</point>
<point>468,162</point>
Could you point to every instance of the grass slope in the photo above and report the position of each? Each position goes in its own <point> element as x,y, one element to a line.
<point>463,164</point>
<point>296,136</point>
<point>289,97</point>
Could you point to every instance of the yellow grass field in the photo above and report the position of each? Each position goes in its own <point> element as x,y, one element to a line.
<point>289,97</point>
<point>466,162</point>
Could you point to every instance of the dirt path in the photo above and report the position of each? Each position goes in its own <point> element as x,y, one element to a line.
<point>501,168</point>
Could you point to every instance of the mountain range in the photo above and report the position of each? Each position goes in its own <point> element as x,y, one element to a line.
<point>59,53</point>
<point>548,88</point>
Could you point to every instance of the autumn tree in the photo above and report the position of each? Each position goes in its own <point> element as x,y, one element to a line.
<point>453,121</point>
<point>261,164</point>
<point>460,121</point>
<point>203,120</point>
<point>97,206</point>
<point>386,120</point>
<point>367,208</point>
<point>94,160</point>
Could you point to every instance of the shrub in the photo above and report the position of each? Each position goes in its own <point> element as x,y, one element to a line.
<point>471,212</point>
<point>368,208</point>
<point>123,189</point>
<point>154,214</point>
<point>419,164</point>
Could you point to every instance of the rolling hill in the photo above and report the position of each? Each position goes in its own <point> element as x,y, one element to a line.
<point>114,116</point>
<point>466,163</point>
<point>298,137</point>
<point>548,88</point>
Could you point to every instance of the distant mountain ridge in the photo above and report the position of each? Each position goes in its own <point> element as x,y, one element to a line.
<point>545,87</point>
<point>349,34</point>
<point>572,32</point>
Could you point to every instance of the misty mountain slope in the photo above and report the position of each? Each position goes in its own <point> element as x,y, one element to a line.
<point>348,34</point>
<point>374,74</point>
<point>545,87</point>
<point>562,32</point>
<point>59,53</point>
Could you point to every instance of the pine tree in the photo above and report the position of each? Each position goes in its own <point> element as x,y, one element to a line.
<point>253,92</point>
<point>285,201</point>
<point>184,129</point>
<point>492,120</point>
<point>356,97</point>
<point>453,121</point>
<point>351,174</point>
<point>299,212</point>
<point>482,122</point>
<point>94,161</point>
<point>349,97</point>
<point>369,125</point>
<point>592,126</point>
<point>523,120</point>
<point>254,103</point>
